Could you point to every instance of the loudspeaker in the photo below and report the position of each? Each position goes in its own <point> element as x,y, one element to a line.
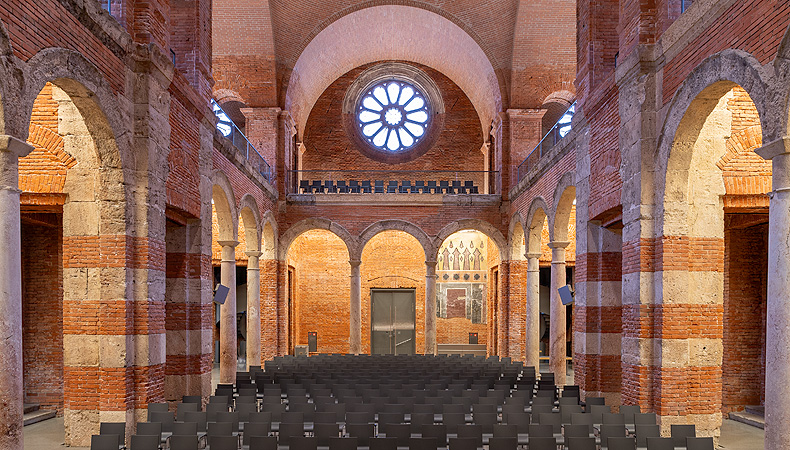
<point>473,338</point>
<point>566,294</point>
<point>312,341</point>
<point>220,294</point>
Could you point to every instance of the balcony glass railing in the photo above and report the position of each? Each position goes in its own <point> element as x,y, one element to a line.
<point>232,132</point>
<point>394,182</point>
<point>555,134</point>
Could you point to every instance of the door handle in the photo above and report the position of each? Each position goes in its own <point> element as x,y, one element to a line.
<point>401,343</point>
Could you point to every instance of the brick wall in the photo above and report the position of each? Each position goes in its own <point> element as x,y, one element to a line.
<point>457,148</point>
<point>746,269</point>
<point>42,316</point>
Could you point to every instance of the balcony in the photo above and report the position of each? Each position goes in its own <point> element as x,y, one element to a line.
<point>240,141</point>
<point>554,135</point>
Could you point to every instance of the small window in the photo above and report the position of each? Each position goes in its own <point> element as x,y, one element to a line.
<point>685,4</point>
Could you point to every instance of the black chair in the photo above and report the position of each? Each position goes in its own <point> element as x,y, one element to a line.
<point>329,187</point>
<point>290,430</point>
<point>431,187</point>
<point>502,443</point>
<point>165,418</point>
<point>437,431</point>
<point>444,188</point>
<point>643,432</point>
<point>660,443</point>
<point>219,429</point>
<point>366,188</point>
<point>453,421</point>
<point>223,442</point>
<point>471,431</point>
<point>406,187</point>
<point>609,431</point>
<point>378,187</point>
<point>383,444</point>
<point>460,443</point>
<point>580,443</point>
<point>542,443</point>
<point>341,187</point>
<point>252,429</point>
<point>470,187</point>
<point>150,429</point>
<point>342,443</point>
<point>538,430</point>
<point>423,444</point>
<point>362,431</point>
<point>324,431</point>
<point>392,187</point>
<point>621,443</point>
<point>390,417</point>
<point>400,431</point>
<point>681,432</point>
<point>353,186</point>
<point>645,419</point>
<point>185,429</point>
<point>263,443</point>
<point>458,188</point>
<point>116,428</point>
<point>144,442</point>
<point>105,442</point>
<point>184,442</point>
<point>699,443</point>
<point>418,420</point>
<point>419,186</point>
<point>303,443</point>
<point>316,188</point>
<point>304,186</point>
<point>553,419</point>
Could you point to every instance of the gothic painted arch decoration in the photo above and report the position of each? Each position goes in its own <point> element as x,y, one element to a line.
<point>478,225</point>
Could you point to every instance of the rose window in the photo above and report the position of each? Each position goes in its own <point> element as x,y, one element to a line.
<point>393,115</point>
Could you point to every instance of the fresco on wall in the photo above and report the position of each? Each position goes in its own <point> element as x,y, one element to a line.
<point>462,277</point>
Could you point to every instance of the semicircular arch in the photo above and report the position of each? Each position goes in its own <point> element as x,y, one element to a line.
<point>306,225</point>
<point>517,237</point>
<point>250,218</point>
<point>536,218</point>
<point>395,225</point>
<point>222,198</point>
<point>474,224</point>
<point>564,196</point>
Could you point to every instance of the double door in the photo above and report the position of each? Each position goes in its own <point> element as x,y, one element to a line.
<point>392,321</point>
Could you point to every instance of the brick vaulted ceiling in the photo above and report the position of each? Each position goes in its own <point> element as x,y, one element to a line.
<point>528,42</point>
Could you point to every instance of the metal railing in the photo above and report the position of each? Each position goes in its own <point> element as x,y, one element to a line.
<point>229,129</point>
<point>393,181</point>
<point>554,135</point>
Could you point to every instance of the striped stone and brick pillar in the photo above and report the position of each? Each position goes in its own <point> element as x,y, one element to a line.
<point>503,313</point>
<point>355,320</point>
<point>227,327</point>
<point>430,307</point>
<point>598,313</point>
<point>11,389</point>
<point>557,328</point>
<point>517,309</point>
<point>533,311</point>
<point>253,309</point>
<point>777,356</point>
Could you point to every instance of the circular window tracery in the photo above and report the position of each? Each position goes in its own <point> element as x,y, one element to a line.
<point>393,115</point>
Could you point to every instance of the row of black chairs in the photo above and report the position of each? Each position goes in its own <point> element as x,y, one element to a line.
<point>392,187</point>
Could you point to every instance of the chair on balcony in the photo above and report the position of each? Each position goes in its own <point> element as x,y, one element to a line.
<point>458,188</point>
<point>444,188</point>
<point>431,187</point>
<point>366,188</point>
<point>316,187</point>
<point>329,187</point>
<point>392,187</point>
<point>353,186</point>
<point>379,187</point>
<point>341,187</point>
<point>419,187</point>
<point>406,187</point>
<point>304,186</point>
<point>470,187</point>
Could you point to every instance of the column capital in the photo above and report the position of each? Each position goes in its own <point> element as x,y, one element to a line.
<point>233,244</point>
<point>15,146</point>
<point>354,263</point>
<point>253,253</point>
<point>430,268</point>
<point>530,255</point>
<point>558,244</point>
<point>774,148</point>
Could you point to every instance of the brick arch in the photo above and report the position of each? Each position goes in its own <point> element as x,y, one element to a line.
<point>317,224</point>
<point>691,106</point>
<point>250,218</point>
<point>269,236</point>
<point>225,206</point>
<point>564,195</point>
<point>394,225</point>
<point>331,54</point>
<point>517,238</point>
<point>536,216</point>
<point>560,95</point>
<point>223,96</point>
<point>93,97</point>
<point>475,224</point>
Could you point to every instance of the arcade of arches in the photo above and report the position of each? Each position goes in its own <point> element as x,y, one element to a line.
<point>394,177</point>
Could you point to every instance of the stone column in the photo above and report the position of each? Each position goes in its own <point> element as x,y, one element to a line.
<point>430,307</point>
<point>355,322</point>
<point>777,339</point>
<point>227,326</point>
<point>557,339</point>
<point>533,311</point>
<point>11,393</point>
<point>253,309</point>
